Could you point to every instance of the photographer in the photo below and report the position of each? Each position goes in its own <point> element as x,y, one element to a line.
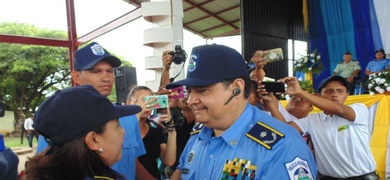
<point>259,61</point>
<point>257,74</point>
<point>153,138</point>
<point>338,125</point>
<point>182,114</point>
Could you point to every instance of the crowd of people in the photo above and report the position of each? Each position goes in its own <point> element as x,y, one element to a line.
<point>225,126</point>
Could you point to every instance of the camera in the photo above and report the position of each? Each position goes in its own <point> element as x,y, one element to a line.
<point>273,55</point>
<point>274,86</point>
<point>177,93</point>
<point>178,55</point>
<point>157,101</point>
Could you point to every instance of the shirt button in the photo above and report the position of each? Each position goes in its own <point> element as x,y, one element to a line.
<point>211,156</point>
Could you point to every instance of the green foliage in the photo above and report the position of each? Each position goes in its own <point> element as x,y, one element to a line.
<point>309,62</point>
<point>30,72</point>
<point>307,86</point>
<point>14,142</point>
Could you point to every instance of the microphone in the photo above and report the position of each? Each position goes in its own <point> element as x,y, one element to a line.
<point>236,91</point>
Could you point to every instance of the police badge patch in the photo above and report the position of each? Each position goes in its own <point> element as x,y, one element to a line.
<point>299,169</point>
<point>193,64</point>
<point>97,50</point>
<point>190,157</point>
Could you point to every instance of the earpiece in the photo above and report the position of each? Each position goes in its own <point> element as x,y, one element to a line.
<point>236,91</point>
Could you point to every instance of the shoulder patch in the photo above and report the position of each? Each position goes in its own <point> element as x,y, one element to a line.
<point>299,169</point>
<point>197,128</point>
<point>264,135</point>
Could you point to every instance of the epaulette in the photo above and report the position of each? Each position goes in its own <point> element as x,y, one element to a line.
<point>341,62</point>
<point>197,128</point>
<point>264,135</point>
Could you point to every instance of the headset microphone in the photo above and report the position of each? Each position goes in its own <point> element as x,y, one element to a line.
<point>236,91</point>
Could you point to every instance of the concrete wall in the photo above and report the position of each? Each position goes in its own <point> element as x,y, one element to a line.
<point>7,122</point>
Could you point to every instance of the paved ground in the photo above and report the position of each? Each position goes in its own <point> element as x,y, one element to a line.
<point>23,154</point>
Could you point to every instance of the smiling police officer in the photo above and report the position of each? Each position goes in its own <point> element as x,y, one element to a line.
<point>235,139</point>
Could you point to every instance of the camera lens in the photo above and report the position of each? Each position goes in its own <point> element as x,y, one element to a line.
<point>178,59</point>
<point>179,55</point>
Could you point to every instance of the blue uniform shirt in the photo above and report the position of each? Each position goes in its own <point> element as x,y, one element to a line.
<point>133,147</point>
<point>377,65</point>
<point>42,144</point>
<point>256,146</point>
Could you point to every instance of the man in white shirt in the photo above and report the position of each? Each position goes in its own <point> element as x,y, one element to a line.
<point>340,133</point>
<point>30,130</point>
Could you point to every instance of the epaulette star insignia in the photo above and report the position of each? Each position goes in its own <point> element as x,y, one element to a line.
<point>264,135</point>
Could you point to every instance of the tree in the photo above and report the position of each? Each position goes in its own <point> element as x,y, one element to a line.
<point>29,72</point>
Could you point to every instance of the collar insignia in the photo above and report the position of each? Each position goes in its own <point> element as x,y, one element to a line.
<point>197,128</point>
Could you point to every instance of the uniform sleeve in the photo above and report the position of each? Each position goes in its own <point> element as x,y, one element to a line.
<point>336,69</point>
<point>368,66</point>
<point>357,66</point>
<point>292,159</point>
<point>361,113</point>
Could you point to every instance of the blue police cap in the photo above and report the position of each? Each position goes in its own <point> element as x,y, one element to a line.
<point>210,64</point>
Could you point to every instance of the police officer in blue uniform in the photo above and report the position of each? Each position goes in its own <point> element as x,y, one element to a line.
<point>375,66</point>
<point>379,64</point>
<point>235,140</point>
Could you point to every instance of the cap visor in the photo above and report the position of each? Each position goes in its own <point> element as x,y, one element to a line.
<point>125,110</point>
<point>114,61</point>
<point>192,82</point>
<point>332,78</point>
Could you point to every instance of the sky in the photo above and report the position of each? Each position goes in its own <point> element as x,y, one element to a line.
<point>126,41</point>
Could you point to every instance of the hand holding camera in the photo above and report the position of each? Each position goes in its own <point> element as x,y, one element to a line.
<point>164,120</point>
<point>166,59</point>
<point>156,101</point>
<point>179,55</point>
<point>273,55</point>
<point>261,58</point>
<point>276,87</point>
